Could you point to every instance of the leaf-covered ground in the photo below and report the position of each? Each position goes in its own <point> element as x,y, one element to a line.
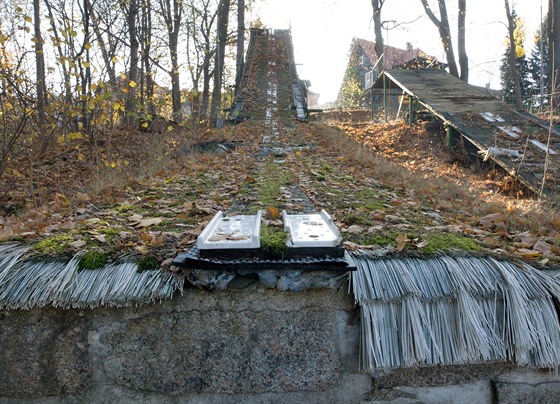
<point>389,186</point>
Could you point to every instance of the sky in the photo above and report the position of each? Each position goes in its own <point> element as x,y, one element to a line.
<point>322,31</point>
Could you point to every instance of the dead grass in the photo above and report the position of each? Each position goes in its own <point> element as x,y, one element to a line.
<point>120,164</point>
<point>385,180</point>
<point>76,170</point>
<point>401,157</point>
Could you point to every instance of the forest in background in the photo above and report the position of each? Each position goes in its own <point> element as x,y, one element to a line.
<point>75,69</point>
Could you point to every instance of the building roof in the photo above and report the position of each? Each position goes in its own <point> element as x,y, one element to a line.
<point>447,93</point>
<point>393,56</point>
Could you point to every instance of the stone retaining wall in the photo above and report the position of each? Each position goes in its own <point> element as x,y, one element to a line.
<point>257,346</point>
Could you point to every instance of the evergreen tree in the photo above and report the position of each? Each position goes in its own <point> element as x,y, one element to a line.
<point>521,67</point>
<point>352,87</point>
<point>538,60</point>
<point>350,93</point>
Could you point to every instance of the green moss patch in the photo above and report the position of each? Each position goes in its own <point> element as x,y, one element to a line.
<point>93,260</point>
<point>147,264</point>
<point>273,241</point>
<point>356,218</point>
<point>450,241</point>
<point>271,179</point>
<point>55,245</point>
<point>430,243</point>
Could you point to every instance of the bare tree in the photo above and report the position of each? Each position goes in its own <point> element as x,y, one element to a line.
<point>442,24</point>
<point>200,22</point>
<point>58,42</point>
<point>40,75</point>
<point>131,9</point>
<point>554,47</point>
<point>209,52</point>
<point>105,46</point>
<point>172,13</point>
<point>377,5</point>
<point>16,104</point>
<point>222,27</point>
<point>461,41</point>
<point>510,13</point>
<point>84,66</point>
<point>240,39</point>
<point>148,84</point>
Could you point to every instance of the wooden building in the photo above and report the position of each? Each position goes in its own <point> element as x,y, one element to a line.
<point>361,71</point>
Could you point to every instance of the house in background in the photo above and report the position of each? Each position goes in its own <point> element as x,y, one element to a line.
<point>312,99</point>
<point>361,71</point>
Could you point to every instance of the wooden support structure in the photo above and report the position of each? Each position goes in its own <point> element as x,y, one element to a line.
<point>484,121</point>
<point>385,97</point>
<point>410,110</point>
<point>449,138</point>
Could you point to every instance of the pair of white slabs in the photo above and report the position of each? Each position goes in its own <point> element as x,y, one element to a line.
<point>244,231</point>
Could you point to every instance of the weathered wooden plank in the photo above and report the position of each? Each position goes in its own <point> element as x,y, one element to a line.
<point>486,122</point>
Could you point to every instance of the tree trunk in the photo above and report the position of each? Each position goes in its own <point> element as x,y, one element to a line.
<point>377,5</point>
<point>223,14</point>
<point>40,75</point>
<point>86,78</point>
<point>172,12</point>
<point>68,99</point>
<point>195,103</point>
<point>200,22</point>
<point>130,106</point>
<point>205,99</point>
<point>240,41</point>
<point>513,57</point>
<point>554,49</point>
<point>206,77</point>
<point>146,51</point>
<point>444,33</point>
<point>175,80</point>
<point>109,65</point>
<point>461,41</point>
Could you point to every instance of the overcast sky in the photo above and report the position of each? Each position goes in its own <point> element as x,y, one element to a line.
<point>322,31</point>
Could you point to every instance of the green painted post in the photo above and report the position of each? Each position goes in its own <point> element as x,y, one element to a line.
<point>410,110</point>
<point>371,100</point>
<point>449,133</point>
<point>385,96</point>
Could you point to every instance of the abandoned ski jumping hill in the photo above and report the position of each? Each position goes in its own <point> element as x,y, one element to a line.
<point>274,268</point>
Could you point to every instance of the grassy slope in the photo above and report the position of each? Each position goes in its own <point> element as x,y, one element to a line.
<point>386,185</point>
